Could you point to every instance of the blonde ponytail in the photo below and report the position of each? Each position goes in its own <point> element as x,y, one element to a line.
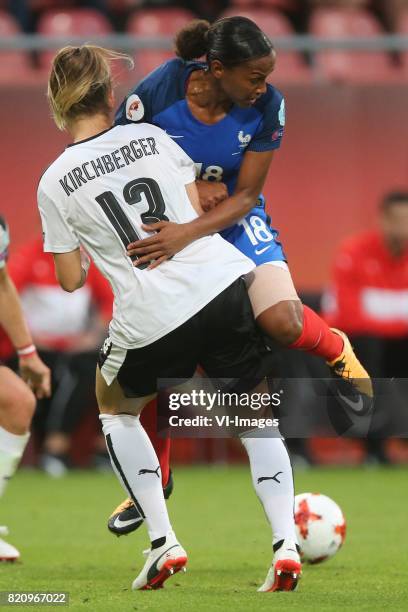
<point>80,82</point>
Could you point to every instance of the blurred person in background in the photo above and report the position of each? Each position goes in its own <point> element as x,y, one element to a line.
<point>22,13</point>
<point>369,296</point>
<point>26,14</point>
<point>17,400</point>
<point>339,3</point>
<point>391,12</point>
<point>67,330</point>
<point>206,9</point>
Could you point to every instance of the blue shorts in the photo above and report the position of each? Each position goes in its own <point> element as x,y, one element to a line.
<point>255,237</point>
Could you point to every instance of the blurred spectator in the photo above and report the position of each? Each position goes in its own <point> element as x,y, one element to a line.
<point>26,14</point>
<point>68,329</point>
<point>206,9</point>
<point>21,11</point>
<point>369,295</point>
<point>339,3</point>
<point>391,12</point>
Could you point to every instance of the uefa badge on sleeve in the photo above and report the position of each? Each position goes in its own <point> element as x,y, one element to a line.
<point>134,108</point>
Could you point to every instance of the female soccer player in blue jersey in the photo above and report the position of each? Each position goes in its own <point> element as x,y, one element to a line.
<point>230,122</point>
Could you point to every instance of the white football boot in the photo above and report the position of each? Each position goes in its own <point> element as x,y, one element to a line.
<point>7,551</point>
<point>161,563</point>
<point>286,568</point>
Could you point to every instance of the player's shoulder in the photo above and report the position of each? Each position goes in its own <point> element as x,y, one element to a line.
<point>272,101</point>
<point>362,240</point>
<point>51,171</point>
<point>361,244</point>
<point>55,172</point>
<point>160,89</point>
<point>129,132</point>
<point>165,72</point>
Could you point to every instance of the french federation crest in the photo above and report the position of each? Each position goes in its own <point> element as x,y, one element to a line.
<point>244,139</point>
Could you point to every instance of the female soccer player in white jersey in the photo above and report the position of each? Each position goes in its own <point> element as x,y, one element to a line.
<point>98,193</point>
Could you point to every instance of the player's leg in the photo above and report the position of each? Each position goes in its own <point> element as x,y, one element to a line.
<point>282,316</point>
<point>272,478</point>
<point>126,517</point>
<point>17,404</point>
<point>136,465</point>
<point>235,350</point>
<point>174,357</point>
<point>278,310</point>
<point>160,444</point>
<point>131,376</point>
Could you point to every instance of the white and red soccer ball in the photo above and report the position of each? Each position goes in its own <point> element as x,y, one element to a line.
<point>320,526</point>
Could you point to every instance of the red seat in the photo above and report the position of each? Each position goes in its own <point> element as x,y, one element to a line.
<point>14,65</point>
<point>71,22</point>
<point>403,29</point>
<point>156,22</point>
<point>358,66</point>
<point>290,65</point>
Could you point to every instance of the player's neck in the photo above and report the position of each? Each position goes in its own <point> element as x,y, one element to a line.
<point>87,127</point>
<point>204,93</point>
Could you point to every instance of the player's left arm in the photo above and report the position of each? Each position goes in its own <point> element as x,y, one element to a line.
<point>32,369</point>
<point>171,238</point>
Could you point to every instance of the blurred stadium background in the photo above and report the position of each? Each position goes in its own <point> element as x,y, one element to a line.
<point>343,67</point>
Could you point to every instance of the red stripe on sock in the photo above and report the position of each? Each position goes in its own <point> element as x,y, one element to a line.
<point>317,337</point>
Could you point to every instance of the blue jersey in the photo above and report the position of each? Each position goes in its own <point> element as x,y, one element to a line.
<point>218,149</point>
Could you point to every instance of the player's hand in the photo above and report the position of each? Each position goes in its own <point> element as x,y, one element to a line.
<point>169,238</point>
<point>211,194</point>
<point>36,374</point>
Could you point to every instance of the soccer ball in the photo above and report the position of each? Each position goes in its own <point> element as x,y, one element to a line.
<point>320,526</point>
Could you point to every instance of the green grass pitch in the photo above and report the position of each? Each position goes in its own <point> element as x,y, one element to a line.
<point>59,526</point>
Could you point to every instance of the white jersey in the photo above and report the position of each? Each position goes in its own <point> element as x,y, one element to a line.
<point>99,192</point>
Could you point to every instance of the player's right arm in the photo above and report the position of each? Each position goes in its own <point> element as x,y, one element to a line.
<point>71,262</point>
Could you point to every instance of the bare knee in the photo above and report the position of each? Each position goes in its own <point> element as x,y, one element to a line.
<point>17,403</point>
<point>111,399</point>
<point>283,322</point>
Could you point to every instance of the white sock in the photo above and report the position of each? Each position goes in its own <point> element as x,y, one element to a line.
<point>11,450</point>
<point>269,460</point>
<point>136,465</point>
